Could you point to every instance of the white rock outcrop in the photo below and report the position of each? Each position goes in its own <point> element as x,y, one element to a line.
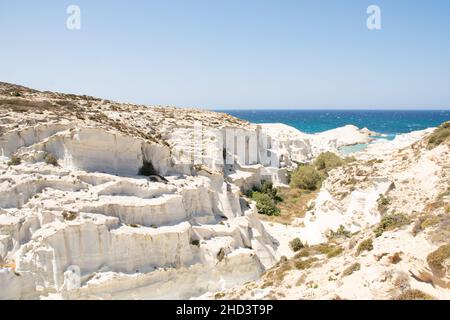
<point>84,224</point>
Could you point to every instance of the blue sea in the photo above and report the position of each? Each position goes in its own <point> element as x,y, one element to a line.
<point>385,122</point>
<point>388,123</point>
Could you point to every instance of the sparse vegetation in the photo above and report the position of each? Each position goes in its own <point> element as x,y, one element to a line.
<point>441,232</point>
<point>430,222</point>
<point>334,251</point>
<point>296,245</point>
<point>294,204</point>
<point>327,161</point>
<point>304,252</point>
<point>15,161</point>
<point>383,203</point>
<point>413,294</point>
<point>330,251</point>
<point>306,177</point>
<point>69,215</point>
<point>366,245</point>
<point>349,270</point>
<point>51,160</point>
<point>303,264</point>
<point>340,233</point>
<point>391,222</point>
<point>440,135</point>
<point>437,258</point>
<point>277,274</point>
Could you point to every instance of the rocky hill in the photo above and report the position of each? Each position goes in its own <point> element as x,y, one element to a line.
<point>107,200</point>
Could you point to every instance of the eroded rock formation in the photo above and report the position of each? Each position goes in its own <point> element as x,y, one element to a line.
<point>106,200</point>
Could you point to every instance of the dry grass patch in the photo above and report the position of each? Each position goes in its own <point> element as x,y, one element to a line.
<point>383,203</point>
<point>439,203</point>
<point>440,135</point>
<point>15,161</point>
<point>51,160</point>
<point>350,270</point>
<point>294,205</point>
<point>436,260</point>
<point>11,265</point>
<point>340,234</point>
<point>303,264</point>
<point>69,215</point>
<point>413,294</point>
<point>276,275</point>
<point>329,250</point>
<point>366,245</point>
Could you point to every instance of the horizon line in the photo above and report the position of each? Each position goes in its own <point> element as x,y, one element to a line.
<point>329,109</point>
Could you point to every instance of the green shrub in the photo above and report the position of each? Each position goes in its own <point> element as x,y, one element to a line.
<point>51,159</point>
<point>147,169</point>
<point>327,161</point>
<point>436,259</point>
<point>15,161</point>
<point>441,134</point>
<point>348,271</point>
<point>267,188</point>
<point>413,294</point>
<point>265,204</point>
<point>366,245</point>
<point>391,222</point>
<point>306,177</point>
<point>296,244</point>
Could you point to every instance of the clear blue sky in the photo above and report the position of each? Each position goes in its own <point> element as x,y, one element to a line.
<point>233,53</point>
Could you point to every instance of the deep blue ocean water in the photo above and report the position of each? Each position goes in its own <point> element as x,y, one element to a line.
<point>386,122</point>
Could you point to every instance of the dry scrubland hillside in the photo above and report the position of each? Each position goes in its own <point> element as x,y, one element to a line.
<point>378,229</point>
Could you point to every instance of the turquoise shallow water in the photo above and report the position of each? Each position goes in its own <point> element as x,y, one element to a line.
<point>354,148</point>
<point>386,122</point>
